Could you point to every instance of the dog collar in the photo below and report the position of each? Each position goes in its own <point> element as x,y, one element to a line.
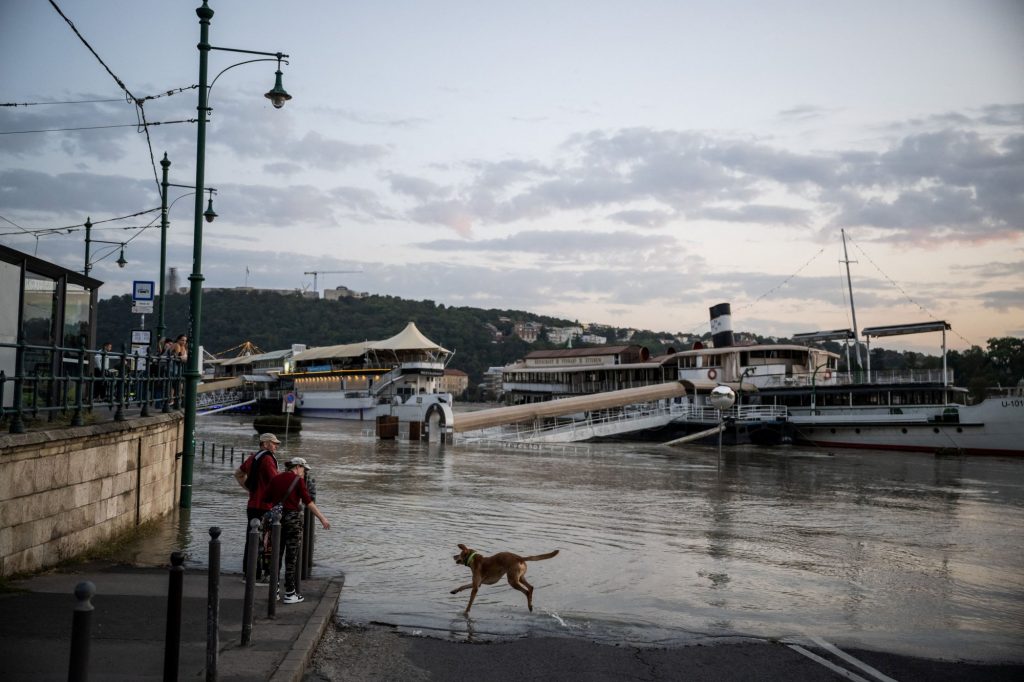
<point>469,559</point>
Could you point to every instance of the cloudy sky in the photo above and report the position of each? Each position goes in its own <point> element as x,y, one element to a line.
<point>628,163</point>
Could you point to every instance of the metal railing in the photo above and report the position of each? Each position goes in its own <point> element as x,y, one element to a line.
<point>52,381</point>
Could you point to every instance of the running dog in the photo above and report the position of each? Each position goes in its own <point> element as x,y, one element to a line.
<point>488,570</point>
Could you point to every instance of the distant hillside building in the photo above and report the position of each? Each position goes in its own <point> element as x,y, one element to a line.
<point>343,292</point>
<point>527,331</point>
<point>454,381</point>
<point>594,339</point>
<point>559,335</point>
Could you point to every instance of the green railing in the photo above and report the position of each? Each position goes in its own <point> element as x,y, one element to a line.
<point>56,381</point>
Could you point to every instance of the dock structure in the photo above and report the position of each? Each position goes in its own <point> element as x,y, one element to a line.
<point>573,419</point>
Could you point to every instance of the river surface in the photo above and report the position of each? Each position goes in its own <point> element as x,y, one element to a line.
<point>908,553</point>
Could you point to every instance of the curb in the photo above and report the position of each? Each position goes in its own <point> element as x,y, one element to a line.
<point>295,662</point>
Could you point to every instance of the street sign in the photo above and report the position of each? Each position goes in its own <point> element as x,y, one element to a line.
<point>289,402</point>
<point>142,307</point>
<point>142,291</point>
<point>141,337</point>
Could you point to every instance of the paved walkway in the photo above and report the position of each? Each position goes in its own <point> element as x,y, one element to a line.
<point>130,620</point>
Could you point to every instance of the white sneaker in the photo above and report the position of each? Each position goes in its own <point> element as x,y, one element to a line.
<point>293,598</point>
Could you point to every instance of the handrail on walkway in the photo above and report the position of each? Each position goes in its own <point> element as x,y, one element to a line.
<point>51,380</point>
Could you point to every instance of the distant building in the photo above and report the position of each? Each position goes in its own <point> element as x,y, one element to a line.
<point>594,339</point>
<point>492,382</point>
<point>495,333</point>
<point>527,331</point>
<point>559,335</point>
<point>454,381</point>
<point>343,292</point>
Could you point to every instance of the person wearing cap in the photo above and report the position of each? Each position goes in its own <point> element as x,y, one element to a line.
<point>289,489</point>
<point>255,474</point>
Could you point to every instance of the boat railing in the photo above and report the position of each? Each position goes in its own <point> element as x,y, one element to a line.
<point>741,413</point>
<point>828,378</point>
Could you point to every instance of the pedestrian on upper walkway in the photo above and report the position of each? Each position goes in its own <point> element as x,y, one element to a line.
<point>255,475</point>
<point>289,489</point>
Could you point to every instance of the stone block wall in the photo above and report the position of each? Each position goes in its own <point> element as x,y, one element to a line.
<point>65,490</point>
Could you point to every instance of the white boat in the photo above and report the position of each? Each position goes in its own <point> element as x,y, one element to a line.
<point>398,377</point>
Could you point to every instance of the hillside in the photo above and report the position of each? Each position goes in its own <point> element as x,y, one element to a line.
<point>275,321</point>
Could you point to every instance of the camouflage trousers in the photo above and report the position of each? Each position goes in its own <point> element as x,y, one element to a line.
<point>291,533</point>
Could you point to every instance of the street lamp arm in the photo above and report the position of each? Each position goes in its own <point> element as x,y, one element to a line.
<point>275,55</point>
<point>277,58</point>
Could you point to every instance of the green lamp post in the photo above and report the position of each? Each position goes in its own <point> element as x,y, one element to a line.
<point>278,96</point>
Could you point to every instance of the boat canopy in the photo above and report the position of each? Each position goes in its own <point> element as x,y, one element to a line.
<point>914,328</point>
<point>409,338</point>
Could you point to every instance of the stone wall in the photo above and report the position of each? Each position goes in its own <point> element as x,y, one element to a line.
<point>65,490</point>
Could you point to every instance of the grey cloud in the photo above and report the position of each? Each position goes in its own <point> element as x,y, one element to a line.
<point>27,190</point>
<point>639,218</point>
<point>1003,300</point>
<point>419,188</point>
<point>282,168</point>
<point>757,213</point>
<point>803,112</point>
<point>564,243</point>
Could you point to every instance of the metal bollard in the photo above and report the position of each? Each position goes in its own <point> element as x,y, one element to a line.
<point>307,543</point>
<point>213,606</point>
<point>275,566</point>
<point>250,580</point>
<point>223,451</point>
<point>204,449</point>
<point>81,622</point>
<point>172,640</point>
<point>232,454</point>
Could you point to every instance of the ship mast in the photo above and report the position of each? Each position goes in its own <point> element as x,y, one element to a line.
<point>853,310</point>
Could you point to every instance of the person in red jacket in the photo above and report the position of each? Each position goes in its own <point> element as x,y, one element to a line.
<point>255,475</point>
<point>289,489</point>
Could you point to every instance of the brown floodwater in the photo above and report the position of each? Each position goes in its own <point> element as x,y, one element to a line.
<point>909,553</point>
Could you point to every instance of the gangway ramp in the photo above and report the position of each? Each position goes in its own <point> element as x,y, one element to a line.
<point>607,414</point>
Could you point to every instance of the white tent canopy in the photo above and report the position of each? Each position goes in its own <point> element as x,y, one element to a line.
<point>409,338</point>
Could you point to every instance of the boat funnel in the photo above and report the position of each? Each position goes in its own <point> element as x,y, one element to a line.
<point>721,325</point>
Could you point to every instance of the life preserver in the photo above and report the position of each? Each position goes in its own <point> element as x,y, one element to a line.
<point>828,374</point>
<point>712,374</point>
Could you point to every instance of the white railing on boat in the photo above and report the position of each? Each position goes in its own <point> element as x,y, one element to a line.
<point>894,376</point>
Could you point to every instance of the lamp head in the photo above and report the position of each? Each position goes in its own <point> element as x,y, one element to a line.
<point>278,95</point>
<point>209,213</point>
<point>121,262</point>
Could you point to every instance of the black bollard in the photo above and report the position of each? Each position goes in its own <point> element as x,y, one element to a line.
<point>307,543</point>
<point>172,640</point>
<point>275,566</point>
<point>204,449</point>
<point>81,622</point>
<point>213,606</point>
<point>252,546</point>
<point>232,454</point>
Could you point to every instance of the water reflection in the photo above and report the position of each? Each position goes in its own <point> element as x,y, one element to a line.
<point>903,552</point>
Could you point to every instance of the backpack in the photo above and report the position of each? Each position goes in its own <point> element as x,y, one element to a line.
<point>252,479</point>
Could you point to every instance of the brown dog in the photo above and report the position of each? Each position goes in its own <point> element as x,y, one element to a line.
<point>488,570</point>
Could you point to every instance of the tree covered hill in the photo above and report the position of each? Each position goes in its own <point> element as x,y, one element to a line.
<point>275,321</point>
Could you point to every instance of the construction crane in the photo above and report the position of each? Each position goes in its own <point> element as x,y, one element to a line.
<point>315,273</point>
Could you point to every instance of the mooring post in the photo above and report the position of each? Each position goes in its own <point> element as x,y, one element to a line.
<point>172,640</point>
<point>81,624</point>
<point>250,580</point>
<point>275,566</point>
<point>213,606</point>
<point>307,542</point>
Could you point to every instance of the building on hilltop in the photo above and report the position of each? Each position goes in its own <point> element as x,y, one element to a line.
<point>492,382</point>
<point>338,293</point>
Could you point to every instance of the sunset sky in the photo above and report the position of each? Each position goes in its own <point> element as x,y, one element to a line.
<point>626,163</point>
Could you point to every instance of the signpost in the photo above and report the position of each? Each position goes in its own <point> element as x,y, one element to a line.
<point>142,297</point>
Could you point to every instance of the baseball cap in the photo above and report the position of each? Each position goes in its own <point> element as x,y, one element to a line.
<point>297,462</point>
<point>265,437</point>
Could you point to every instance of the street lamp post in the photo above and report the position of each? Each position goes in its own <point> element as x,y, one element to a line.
<point>209,214</point>
<point>278,97</point>
<point>121,262</point>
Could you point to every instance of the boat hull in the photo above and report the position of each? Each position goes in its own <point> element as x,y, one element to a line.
<point>993,427</point>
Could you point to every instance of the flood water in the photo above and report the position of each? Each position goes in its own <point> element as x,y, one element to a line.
<point>909,553</point>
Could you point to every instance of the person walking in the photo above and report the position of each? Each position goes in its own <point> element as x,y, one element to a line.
<point>289,489</point>
<point>255,475</point>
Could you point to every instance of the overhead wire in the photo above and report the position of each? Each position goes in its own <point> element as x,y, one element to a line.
<point>122,125</point>
<point>902,290</point>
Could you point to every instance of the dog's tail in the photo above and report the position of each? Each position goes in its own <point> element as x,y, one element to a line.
<point>540,557</point>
